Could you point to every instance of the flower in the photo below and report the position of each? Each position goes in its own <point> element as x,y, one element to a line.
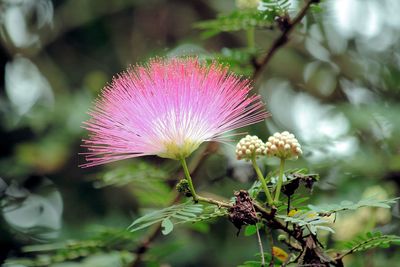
<point>168,108</point>
<point>283,145</point>
<point>249,147</point>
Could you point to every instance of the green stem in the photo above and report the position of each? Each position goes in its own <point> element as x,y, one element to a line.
<point>250,37</point>
<point>262,180</point>
<point>280,180</point>
<point>189,179</point>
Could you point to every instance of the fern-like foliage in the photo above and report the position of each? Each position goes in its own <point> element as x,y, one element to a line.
<point>238,59</point>
<point>132,173</point>
<point>308,220</point>
<point>369,240</point>
<point>235,21</point>
<point>117,242</point>
<point>349,205</point>
<point>148,182</point>
<point>274,8</point>
<point>177,214</point>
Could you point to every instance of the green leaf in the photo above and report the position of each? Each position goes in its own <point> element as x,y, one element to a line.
<point>369,240</point>
<point>349,205</point>
<point>308,220</point>
<point>235,21</point>
<point>177,214</point>
<point>167,225</point>
<point>250,230</point>
<point>274,8</point>
<point>106,240</point>
<point>139,171</point>
<point>146,182</point>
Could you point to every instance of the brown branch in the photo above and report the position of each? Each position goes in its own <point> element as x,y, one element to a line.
<point>287,27</point>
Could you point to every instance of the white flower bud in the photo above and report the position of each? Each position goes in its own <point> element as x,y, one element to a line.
<point>249,147</point>
<point>283,145</point>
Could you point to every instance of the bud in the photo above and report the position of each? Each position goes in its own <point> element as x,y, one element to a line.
<point>183,187</point>
<point>249,147</point>
<point>283,145</point>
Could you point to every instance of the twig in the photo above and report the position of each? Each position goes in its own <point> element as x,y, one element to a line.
<point>214,201</point>
<point>271,240</point>
<point>282,39</point>
<point>260,246</point>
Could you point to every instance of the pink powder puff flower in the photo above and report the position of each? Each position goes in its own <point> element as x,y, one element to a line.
<point>168,108</point>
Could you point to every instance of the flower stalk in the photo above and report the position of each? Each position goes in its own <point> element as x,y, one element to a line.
<point>262,180</point>
<point>189,179</point>
<point>280,180</point>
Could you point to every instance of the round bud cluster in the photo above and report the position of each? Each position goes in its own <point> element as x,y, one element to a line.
<point>283,145</point>
<point>249,147</point>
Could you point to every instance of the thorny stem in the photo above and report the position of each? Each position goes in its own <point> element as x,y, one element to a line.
<point>262,180</point>
<point>189,179</point>
<point>280,180</point>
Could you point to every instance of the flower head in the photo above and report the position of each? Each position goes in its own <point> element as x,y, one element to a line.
<point>168,108</point>
<point>283,145</point>
<point>249,147</point>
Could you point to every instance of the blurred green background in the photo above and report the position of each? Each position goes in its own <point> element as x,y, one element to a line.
<point>335,85</point>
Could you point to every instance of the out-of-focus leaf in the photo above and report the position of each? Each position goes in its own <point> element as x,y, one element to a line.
<point>138,171</point>
<point>147,181</point>
<point>235,21</point>
<point>108,241</point>
<point>369,240</point>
